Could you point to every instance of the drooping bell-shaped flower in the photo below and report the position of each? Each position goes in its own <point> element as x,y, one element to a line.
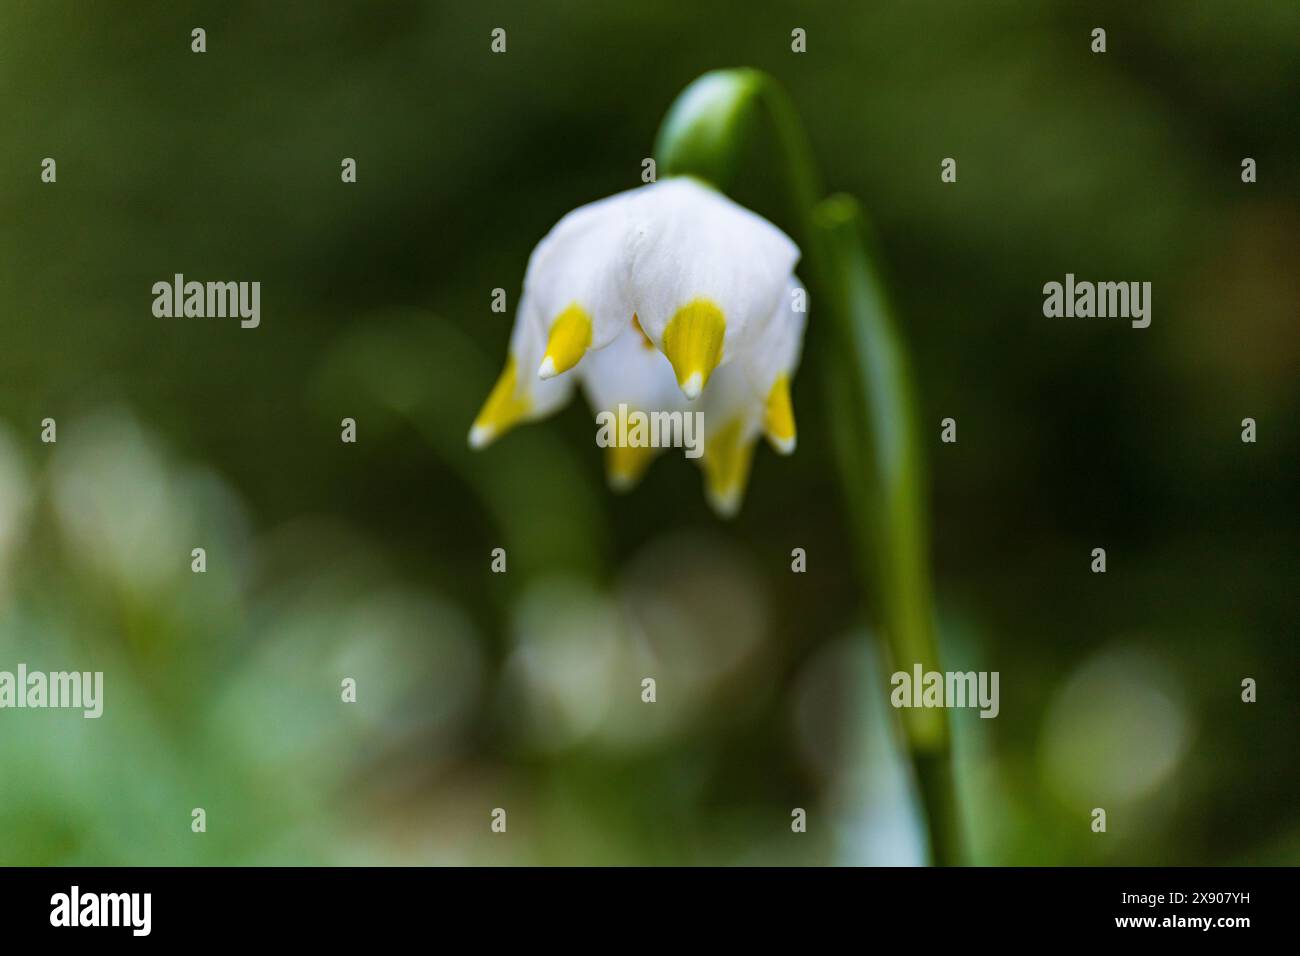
<point>670,298</point>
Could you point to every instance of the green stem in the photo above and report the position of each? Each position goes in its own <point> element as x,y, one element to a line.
<point>865,365</point>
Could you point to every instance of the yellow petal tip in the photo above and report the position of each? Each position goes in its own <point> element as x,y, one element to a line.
<point>778,417</point>
<point>782,446</point>
<point>625,466</point>
<point>504,408</point>
<point>693,386</point>
<point>569,340</point>
<point>728,455</point>
<point>725,504</point>
<point>693,342</point>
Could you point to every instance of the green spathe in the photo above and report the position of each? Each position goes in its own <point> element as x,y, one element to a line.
<point>706,125</point>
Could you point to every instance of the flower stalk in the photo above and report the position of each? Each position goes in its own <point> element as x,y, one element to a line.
<point>863,361</point>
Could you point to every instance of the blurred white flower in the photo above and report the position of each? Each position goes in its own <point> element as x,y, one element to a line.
<point>1116,730</point>
<point>564,668</point>
<point>131,514</point>
<point>119,506</point>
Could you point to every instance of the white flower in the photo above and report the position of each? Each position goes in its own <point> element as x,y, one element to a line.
<point>577,279</point>
<point>653,298</point>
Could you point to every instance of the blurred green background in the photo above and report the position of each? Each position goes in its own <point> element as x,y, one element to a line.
<point>522,690</point>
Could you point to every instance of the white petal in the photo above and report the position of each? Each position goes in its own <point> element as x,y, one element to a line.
<point>582,262</point>
<point>632,372</point>
<point>730,398</point>
<point>627,380</point>
<point>778,345</point>
<point>769,363</point>
<point>733,418</point>
<point>527,342</point>
<point>689,242</point>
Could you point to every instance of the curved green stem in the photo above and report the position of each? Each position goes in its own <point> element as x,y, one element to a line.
<point>864,363</point>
